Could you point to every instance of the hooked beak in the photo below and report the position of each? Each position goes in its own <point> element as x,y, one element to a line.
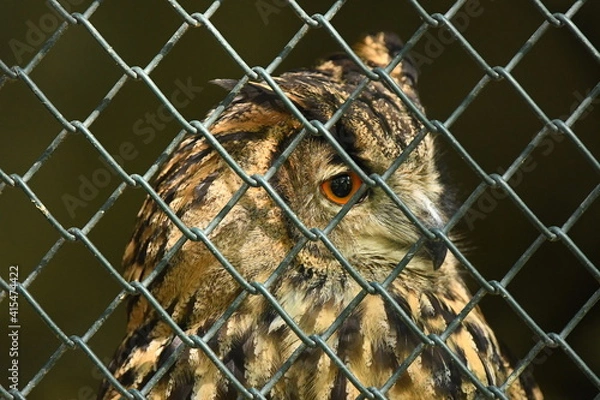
<point>436,250</point>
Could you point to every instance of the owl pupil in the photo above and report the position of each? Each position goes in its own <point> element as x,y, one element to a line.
<point>341,186</point>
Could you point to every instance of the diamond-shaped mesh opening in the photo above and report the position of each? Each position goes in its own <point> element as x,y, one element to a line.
<point>96,96</point>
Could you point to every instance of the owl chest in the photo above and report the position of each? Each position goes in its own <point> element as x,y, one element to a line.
<point>321,341</point>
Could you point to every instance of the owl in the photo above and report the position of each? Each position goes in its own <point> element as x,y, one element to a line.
<point>297,261</point>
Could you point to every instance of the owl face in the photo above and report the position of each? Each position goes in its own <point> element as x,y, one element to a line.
<point>316,181</point>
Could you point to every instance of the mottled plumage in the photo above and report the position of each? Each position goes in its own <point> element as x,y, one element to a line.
<point>255,236</point>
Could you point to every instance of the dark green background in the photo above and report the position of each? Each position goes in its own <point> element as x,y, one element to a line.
<point>74,289</point>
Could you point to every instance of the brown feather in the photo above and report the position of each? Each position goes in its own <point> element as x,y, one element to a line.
<point>255,342</point>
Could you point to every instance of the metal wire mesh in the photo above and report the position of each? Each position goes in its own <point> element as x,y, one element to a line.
<point>448,20</point>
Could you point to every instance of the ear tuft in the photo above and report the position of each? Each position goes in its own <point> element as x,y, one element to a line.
<point>251,91</point>
<point>227,84</point>
<point>379,49</point>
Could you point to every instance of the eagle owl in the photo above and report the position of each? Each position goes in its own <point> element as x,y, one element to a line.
<point>278,300</point>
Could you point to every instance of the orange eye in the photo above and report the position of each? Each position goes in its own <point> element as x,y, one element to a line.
<point>341,188</point>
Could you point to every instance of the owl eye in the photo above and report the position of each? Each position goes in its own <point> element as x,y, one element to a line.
<point>340,188</point>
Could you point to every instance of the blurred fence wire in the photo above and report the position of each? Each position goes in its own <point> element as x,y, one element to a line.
<point>15,288</point>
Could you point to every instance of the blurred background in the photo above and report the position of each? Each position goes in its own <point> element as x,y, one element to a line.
<point>74,289</point>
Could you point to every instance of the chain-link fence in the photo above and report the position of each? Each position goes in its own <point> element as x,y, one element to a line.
<point>95,95</point>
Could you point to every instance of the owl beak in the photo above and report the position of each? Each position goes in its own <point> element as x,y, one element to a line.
<point>437,250</point>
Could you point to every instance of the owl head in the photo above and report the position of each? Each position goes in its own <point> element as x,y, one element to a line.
<point>299,179</point>
<point>373,128</point>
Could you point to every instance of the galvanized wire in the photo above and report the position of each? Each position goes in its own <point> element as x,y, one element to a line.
<point>143,75</point>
